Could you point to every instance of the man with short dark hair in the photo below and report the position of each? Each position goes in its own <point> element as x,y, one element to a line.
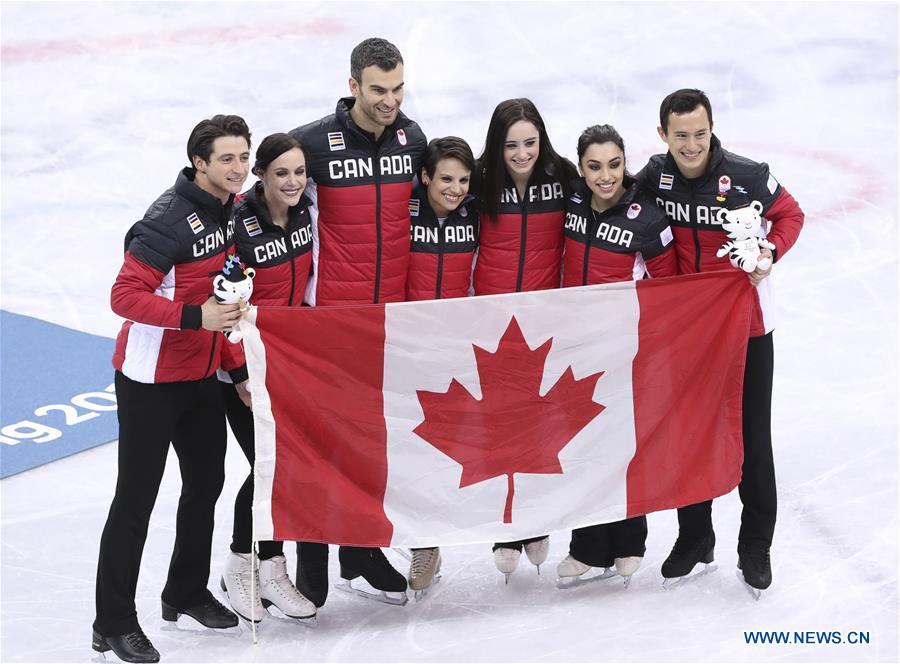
<point>692,182</point>
<point>362,160</point>
<point>166,358</point>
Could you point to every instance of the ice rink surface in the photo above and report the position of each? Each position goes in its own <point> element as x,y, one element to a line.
<point>97,103</point>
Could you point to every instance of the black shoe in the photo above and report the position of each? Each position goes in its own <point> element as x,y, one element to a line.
<point>209,613</point>
<point>371,565</point>
<point>687,552</point>
<point>754,562</point>
<point>131,647</point>
<point>312,572</point>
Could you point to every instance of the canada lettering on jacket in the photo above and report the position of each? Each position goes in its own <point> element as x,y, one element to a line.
<point>274,248</point>
<point>681,212</point>
<point>340,169</point>
<point>605,231</point>
<point>544,192</point>
<point>212,242</point>
<point>451,234</point>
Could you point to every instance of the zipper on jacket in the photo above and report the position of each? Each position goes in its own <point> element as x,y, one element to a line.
<point>589,233</point>
<point>522,241</point>
<point>694,230</point>
<point>377,230</point>
<point>291,254</point>
<point>440,265</point>
<point>212,353</point>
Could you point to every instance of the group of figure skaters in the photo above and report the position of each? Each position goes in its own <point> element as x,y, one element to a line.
<point>359,208</point>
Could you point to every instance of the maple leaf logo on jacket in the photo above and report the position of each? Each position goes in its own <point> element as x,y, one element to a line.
<point>512,429</point>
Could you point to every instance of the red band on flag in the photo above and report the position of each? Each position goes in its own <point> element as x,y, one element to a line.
<point>342,489</point>
<point>694,367</point>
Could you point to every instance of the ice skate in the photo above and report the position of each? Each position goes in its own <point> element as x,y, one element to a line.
<point>312,572</point>
<point>627,566</point>
<point>387,584</point>
<point>686,554</point>
<point>209,613</point>
<point>536,552</point>
<point>276,589</point>
<point>754,568</point>
<point>571,573</point>
<point>424,570</point>
<point>506,560</point>
<point>238,583</point>
<point>131,647</point>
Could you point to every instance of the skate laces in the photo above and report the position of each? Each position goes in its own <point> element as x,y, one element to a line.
<point>214,605</point>
<point>138,640</point>
<point>685,544</point>
<point>422,560</point>
<point>244,578</point>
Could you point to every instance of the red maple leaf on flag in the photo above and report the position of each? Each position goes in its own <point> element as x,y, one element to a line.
<point>512,428</point>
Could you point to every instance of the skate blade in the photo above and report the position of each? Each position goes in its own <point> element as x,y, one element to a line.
<point>593,574</point>
<point>670,584</point>
<point>755,593</point>
<point>394,598</point>
<point>275,613</point>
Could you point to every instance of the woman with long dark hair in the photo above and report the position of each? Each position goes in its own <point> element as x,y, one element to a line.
<point>523,185</point>
<point>273,235</point>
<point>614,232</point>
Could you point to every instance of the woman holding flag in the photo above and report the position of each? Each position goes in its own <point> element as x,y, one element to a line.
<point>614,232</point>
<point>273,235</point>
<point>523,185</point>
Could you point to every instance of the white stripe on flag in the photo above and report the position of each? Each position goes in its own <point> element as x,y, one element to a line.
<point>264,428</point>
<point>423,499</point>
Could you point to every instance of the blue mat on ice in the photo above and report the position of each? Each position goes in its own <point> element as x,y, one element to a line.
<point>56,395</point>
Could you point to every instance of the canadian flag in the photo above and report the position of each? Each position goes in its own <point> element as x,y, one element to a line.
<point>496,418</point>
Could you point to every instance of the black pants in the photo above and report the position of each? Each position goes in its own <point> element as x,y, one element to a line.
<point>240,418</point>
<point>599,546</point>
<point>517,545</point>
<point>190,416</point>
<point>757,487</point>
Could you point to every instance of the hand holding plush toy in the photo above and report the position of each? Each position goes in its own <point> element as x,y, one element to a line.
<point>234,285</point>
<point>744,227</point>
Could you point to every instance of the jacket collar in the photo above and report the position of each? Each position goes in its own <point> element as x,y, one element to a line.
<point>716,154</point>
<point>420,192</point>
<point>256,205</point>
<point>581,188</point>
<point>342,113</point>
<point>205,201</point>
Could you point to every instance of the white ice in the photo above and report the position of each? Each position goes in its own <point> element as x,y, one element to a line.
<point>97,103</point>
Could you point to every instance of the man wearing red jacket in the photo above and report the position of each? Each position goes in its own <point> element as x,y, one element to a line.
<point>166,358</point>
<point>361,163</point>
<point>691,182</point>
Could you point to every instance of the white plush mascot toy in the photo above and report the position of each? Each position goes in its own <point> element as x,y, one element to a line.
<point>745,230</point>
<point>234,285</point>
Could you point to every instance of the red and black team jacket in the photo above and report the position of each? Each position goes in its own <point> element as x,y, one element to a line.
<point>360,190</point>
<point>729,181</point>
<point>623,243</point>
<point>521,249</point>
<point>281,257</point>
<point>440,261</point>
<point>171,256</point>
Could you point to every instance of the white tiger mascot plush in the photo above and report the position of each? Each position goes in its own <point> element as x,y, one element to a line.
<point>744,226</point>
<point>234,285</point>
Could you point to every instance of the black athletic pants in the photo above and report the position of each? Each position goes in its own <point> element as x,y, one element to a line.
<point>599,546</point>
<point>240,418</point>
<point>190,416</point>
<point>757,487</point>
<point>517,545</point>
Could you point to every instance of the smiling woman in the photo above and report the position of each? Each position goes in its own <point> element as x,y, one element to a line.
<point>523,186</point>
